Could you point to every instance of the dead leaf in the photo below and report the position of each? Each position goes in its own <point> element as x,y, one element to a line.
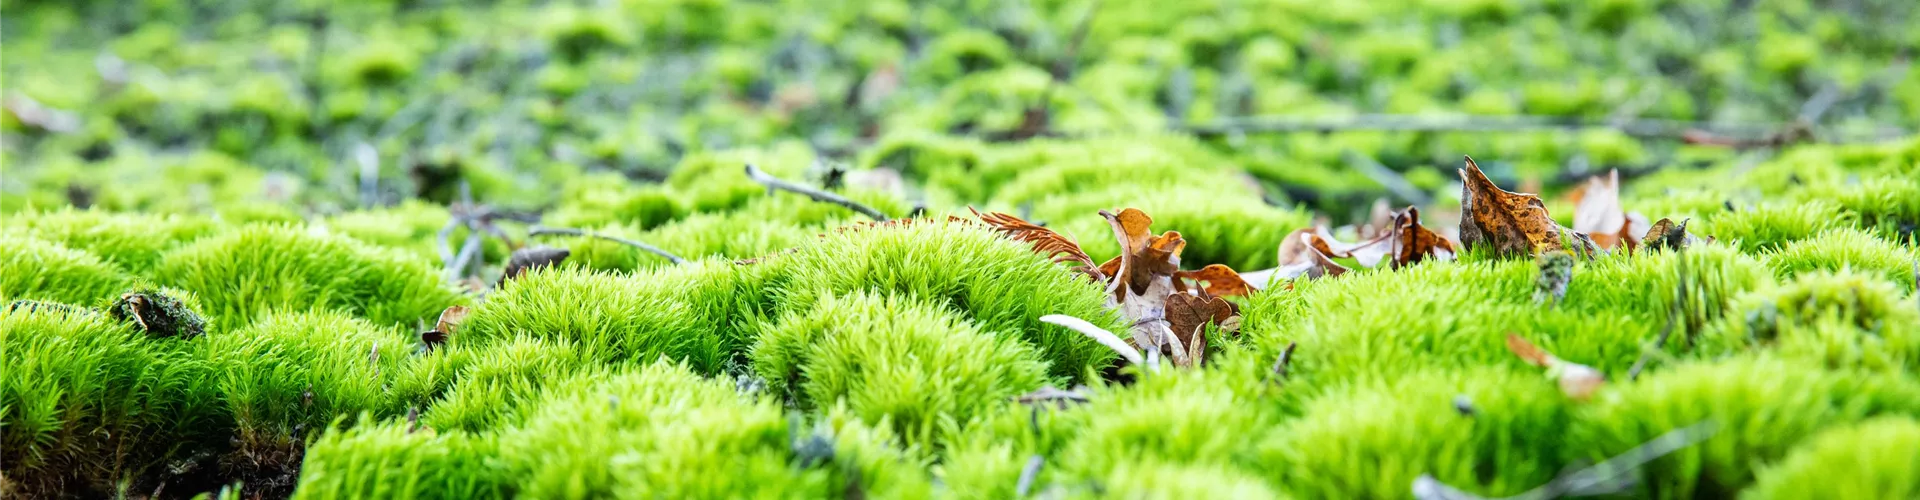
<point>1141,280</point>
<point>1597,212</point>
<point>1188,316</point>
<point>1304,253</point>
<point>1413,243</point>
<point>1045,241</point>
<point>528,259</point>
<point>1665,234</point>
<point>444,328</point>
<point>1379,220</point>
<point>1513,224</point>
<point>1220,281</point>
<point>1576,380</point>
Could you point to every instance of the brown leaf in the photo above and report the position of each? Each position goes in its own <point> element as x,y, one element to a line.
<point>1413,243</point>
<point>1045,241</point>
<point>1576,380</point>
<point>1221,281</point>
<point>1379,220</point>
<point>1513,224</point>
<point>527,259</point>
<point>1665,234</point>
<point>1188,316</point>
<point>1304,253</point>
<point>1598,213</point>
<point>444,328</point>
<point>1143,255</point>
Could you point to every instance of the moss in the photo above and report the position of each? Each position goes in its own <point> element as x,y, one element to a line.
<point>1876,458</point>
<point>611,317</point>
<point>1239,231</point>
<point>413,227</point>
<point>91,404</point>
<point>999,284</point>
<point>499,379</point>
<point>245,273</point>
<point>390,461</point>
<point>160,312</point>
<point>658,430</point>
<point>911,362</point>
<point>1838,320</point>
<point>1761,406</point>
<point>1372,439</point>
<point>1769,226</point>
<point>36,269</point>
<point>1844,249</point>
<point>134,242</point>
<point>292,373</point>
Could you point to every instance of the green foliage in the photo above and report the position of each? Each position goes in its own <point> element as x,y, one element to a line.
<point>390,461</point>
<point>498,380</point>
<point>89,403</point>
<point>1873,459</point>
<point>289,372</point>
<point>615,317</point>
<point>134,242</point>
<point>1000,285</point>
<point>1844,249</point>
<point>245,273</point>
<point>36,269</point>
<point>890,357</point>
<point>1770,226</point>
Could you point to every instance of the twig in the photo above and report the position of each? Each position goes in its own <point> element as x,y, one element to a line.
<point>567,231</point>
<point>1028,475</point>
<point>1099,334</point>
<point>1600,479</point>
<point>1284,363</point>
<point>1643,127</point>
<point>817,195</point>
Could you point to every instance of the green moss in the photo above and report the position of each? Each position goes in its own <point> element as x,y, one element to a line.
<point>288,373</point>
<point>389,461</point>
<point>1834,320</point>
<point>1372,439</point>
<point>245,273</point>
<point>90,403</point>
<point>1876,458</point>
<point>999,284</point>
<point>1844,249</point>
<point>413,227</point>
<point>134,242</point>
<point>1769,226</point>
<point>36,269</point>
<point>1762,408</point>
<point>615,317</point>
<point>911,362</point>
<point>499,379</point>
<point>1239,231</point>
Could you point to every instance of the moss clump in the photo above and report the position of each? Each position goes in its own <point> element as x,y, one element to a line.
<point>392,461</point>
<point>1373,439</point>
<point>498,380</point>
<point>662,430</point>
<point>1000,285</point>
<point>134,242</point>
<point>1770,226</point>
<point>1846,249</point>
<point>617,317</point>
<point>92,405</point>
<point>1834,319</point>
<point>1875,459</point>
<point>909,361</point>
<point>159,313</point>
<point>1762,407</point>
<point>36,269</point>
<point>245,273</point>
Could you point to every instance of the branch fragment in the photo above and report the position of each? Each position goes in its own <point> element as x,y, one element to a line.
<point>1101,335</point>
<point>567,231</point>
<point>817,195</point>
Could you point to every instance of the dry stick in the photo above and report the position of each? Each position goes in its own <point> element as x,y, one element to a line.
<point>1643,127</point>
<point>567,231</point>
<point>1600,479</point>
<point>1027,476</point>
<point>1280,366</point>
<point>817,195</point>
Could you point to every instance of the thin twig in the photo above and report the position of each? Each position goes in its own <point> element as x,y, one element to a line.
<point>1028,475</point>
<point>567,231</point>
<point>817,195</point>
<point>1643,127</point>
<point>1284,363</point>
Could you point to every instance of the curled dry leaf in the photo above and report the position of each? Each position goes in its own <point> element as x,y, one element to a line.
<point>1188,316</point>
<point>1218,280</point>
<point>1513,224</point>
<point>1576,380</point>
<point>1413,242</point>
<point>1141,279</point>
<point>528,259</point>
<point>1045,241</point>
<point>444,328</point>
<point>1306,253</point>
<point>1668,235</point>
<point>1597,212</point>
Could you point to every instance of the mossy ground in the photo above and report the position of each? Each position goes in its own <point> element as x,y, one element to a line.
<point>284,175</point>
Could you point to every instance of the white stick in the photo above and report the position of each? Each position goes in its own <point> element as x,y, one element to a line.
<point>1099,334</point>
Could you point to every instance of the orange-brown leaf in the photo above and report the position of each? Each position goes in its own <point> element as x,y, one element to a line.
<point>1045,241</point>
<point>1513,224</point>
<point>1220,280</point>
<point>1528,352</point>
<point>1668,235</point>
<point>1143,256</point>
<point>1304,253</point>
<point>1598,213</point>
<point>1413,242</point>
<point>1188,315</point>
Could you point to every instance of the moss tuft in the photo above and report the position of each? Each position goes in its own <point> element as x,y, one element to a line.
<point>1875,459</point>
<point>245,273</point>
<point>36,269</point>
<point>390,461</point>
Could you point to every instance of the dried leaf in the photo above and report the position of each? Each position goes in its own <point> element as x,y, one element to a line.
<point>1576,380</point>
<point>1513,224</point>
<point>528,259</point>
<point>1413,243</point>
<point>1220,281</point>
<point>445,327</point>
<point>1597,212</point>
<point>1379,220</point>
<point>1142,254</point>
<point>1188,316</point>
<point>1045,241</point>
<point>1304,253</point>
<point>1665,234</point>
